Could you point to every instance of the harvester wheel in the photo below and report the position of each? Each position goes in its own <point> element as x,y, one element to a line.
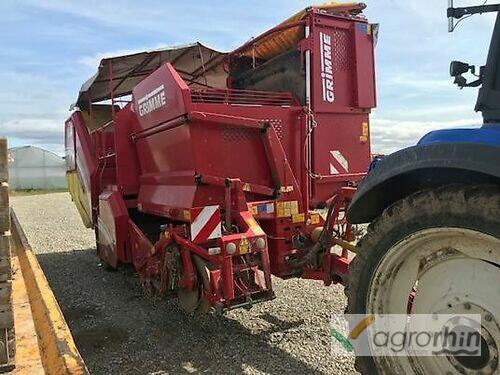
<point>195,302</point>
<point>437,251</point>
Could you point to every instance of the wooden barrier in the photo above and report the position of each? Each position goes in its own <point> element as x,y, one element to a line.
<point>53,350</point>
<point>42,343</point>
<point>4,161</point>
<point>7,338</point>
<point>4,207</point>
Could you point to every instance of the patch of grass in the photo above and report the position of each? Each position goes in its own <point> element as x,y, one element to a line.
<point>15,193</point>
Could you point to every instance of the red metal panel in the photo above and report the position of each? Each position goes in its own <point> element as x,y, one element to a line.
<point>343,93</point>
<point>230,151</point>
<point>339,151</point>
<point>160,97</point>
<point>225,148</point>
<point>333,65</point>
<point>112,228</point>
<point>343,60</point>
<point>364,66</point>
<point>140,248</point>
<point>127,164</point>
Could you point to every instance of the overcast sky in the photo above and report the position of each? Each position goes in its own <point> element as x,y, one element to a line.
<point>50,47</point>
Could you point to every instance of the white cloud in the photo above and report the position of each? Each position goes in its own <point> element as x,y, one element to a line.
<point>186,21</point>
<point>32,110</point>
<point>428,113</point>
<point>391,135</point>
<point>34,130</point>
<point>25,95</point>
<point>417,81</point>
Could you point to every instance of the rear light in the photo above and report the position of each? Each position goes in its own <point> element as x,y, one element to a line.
<point>230,248</point>
<point>260,243</point>
<point>214,250</point>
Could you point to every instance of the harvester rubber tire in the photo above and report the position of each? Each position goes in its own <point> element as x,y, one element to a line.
<point>467,207</point>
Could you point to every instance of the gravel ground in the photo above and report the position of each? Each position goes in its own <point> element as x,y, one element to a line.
<point>118,330</point>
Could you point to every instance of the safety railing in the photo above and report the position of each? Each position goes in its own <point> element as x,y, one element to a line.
<point>242,97</point>
<point>104,141</point>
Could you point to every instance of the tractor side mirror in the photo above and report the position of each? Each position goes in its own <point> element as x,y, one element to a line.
<point>458,68</point>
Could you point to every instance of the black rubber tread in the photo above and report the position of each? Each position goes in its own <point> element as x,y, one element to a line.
<point>475,207</point>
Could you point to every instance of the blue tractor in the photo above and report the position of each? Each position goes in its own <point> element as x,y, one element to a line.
<point>433,245</point>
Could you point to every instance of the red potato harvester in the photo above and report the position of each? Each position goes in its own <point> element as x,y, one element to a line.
<point>204,169</point>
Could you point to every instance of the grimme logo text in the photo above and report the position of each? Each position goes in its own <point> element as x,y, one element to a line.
<point>326,67</point>
<point>152,101</point>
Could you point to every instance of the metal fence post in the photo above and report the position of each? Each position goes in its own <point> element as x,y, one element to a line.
<point>7,342</point>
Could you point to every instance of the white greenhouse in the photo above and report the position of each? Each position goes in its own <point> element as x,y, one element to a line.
<point>31,167</point>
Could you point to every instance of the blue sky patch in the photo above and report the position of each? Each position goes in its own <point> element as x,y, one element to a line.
<point>50,47</point>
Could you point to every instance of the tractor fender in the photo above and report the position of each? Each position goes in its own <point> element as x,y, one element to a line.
<point>405,172</point>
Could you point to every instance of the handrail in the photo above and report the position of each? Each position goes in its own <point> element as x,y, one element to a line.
<point>243,97</point>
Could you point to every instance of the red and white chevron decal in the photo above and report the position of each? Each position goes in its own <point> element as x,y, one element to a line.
<point>338,163</point>
<point>205,224</point>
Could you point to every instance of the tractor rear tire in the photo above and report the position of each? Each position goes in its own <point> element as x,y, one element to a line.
<point>460,227</point>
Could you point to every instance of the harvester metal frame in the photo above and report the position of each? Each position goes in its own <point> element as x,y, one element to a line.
<point>252,226</point>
